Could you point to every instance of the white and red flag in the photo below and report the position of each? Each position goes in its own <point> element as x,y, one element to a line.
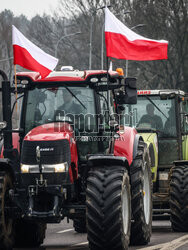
<point>123,43</point>
<point>29,56</point>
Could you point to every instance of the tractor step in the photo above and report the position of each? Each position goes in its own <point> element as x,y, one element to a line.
<point>74,211</point>
<point>161,211</point>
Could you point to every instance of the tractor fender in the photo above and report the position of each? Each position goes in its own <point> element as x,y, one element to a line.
<point>152,154</point>
<point>5,166</point>
<point>107,161</point>
<point>124,146</point>
<point>1,148</point>
<point>16,144</point>
<point>135,147</point>
<point>151,139</point>
<point>180,163</point>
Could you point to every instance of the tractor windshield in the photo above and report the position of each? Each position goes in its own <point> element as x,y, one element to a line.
<point>58,104</point>
<point>152,113</point>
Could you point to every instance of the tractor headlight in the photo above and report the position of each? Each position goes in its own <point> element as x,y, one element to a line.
<point>46,168</point>
<point>24,168</point>
<point>62,167</point>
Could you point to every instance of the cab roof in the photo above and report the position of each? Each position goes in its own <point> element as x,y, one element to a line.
<point>160,92</point>
<point>64,76</point>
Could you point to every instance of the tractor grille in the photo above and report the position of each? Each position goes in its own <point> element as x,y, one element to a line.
<point>52,152</point>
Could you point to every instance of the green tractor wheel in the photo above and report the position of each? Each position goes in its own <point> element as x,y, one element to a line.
<point>179,198</point>
<point>141,191</point>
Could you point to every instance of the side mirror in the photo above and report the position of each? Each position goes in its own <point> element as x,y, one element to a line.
<point>3,125</point>
<point>114,126</point>
<point>130,91</point>
<point>120,109</point>
<point>130,82</point>
<point>129,95</point>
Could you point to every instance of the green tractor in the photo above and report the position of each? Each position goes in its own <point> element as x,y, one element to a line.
<point>161,117</point>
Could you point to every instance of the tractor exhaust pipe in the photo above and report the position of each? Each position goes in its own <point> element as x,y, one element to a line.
<point>6,103</point>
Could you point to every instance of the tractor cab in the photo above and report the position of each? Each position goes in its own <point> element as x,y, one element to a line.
<point>78,98</point>
<point>160,116</point>
<point>69,158</point>
<point>160,112</point>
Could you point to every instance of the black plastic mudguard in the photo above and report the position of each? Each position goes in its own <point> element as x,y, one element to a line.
<point>5,165</point>
<point>180,163</point>
<point>135,147</point>
<point>107,160</point>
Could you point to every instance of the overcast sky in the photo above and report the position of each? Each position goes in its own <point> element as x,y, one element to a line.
<point>29,7</point>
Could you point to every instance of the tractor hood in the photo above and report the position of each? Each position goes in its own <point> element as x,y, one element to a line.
<point>55,141</point>
<point>50,132</point>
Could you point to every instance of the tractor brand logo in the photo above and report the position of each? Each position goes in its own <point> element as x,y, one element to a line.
<point>46,149</point>
<point>38,154</point>
<point>144,92</point>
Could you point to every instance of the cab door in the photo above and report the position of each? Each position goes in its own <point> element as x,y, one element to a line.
<point>184,127</point>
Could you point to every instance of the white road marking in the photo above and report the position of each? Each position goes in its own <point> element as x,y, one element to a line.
<point>170,245</point>
<point>80,244</point>
<point>175,246</point>
<point>64,231</point>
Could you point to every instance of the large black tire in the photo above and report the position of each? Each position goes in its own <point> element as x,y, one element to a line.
<point>141,192</point>
<point>108,208</point>
<point>179,198</point>
<point>79,225</point>
<point>6,223</point>
<point>29,234</point>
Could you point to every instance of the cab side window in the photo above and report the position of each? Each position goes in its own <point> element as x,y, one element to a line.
<point>104,107</point>
<point>184,117</point>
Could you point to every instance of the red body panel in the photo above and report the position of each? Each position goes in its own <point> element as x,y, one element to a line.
<point>15,142</point>
<point>125,144</point>
<point>57,131</point>
<point>33,75</point>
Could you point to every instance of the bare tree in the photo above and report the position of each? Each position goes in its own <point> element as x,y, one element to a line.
<point>164,19</point>
<point>6,19</point>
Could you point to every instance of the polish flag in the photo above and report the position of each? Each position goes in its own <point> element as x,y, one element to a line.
<point>29,56</point>
<point>123,43</point>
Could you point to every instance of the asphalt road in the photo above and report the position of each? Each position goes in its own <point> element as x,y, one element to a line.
<point>62,236</point>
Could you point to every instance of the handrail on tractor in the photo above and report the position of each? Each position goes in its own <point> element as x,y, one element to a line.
<point>4,76</point>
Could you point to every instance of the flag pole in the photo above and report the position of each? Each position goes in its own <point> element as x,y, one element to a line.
<point>16,89</point>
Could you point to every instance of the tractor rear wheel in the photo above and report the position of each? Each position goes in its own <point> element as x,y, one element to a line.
<point>141,191</point>
<point>29,234</point>
<point>79,225</point>
<point>179,198</point>
<point>6,223</point>
<point>108,208</point>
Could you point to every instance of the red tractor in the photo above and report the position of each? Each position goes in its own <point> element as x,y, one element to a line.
<point>69,158</point>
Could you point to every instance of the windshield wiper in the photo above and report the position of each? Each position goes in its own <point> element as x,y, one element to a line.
<point>76,97</point>
<point>147,97</point>
<point>15,103</point>
<point>104,98</point>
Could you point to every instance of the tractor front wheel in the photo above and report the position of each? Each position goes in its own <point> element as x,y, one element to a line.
<point>108,208</point>
<point>179,198</point>
<point>79,225</point>
<point>141,190</point>
<point>6,223</point>
<point>29,234</point>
